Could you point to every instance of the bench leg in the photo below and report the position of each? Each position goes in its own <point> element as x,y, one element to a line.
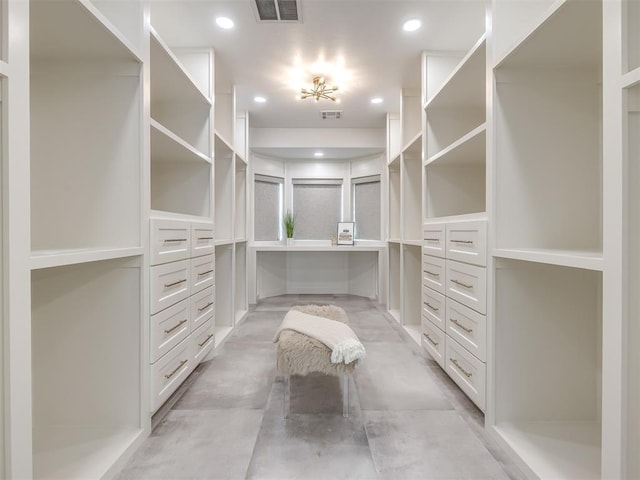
<point>345,396</point>
<point>287,395</point>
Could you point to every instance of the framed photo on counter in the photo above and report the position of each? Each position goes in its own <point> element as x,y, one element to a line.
<point>345,233</point>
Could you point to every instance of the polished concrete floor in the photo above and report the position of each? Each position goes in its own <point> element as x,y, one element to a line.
<point>408,420</point>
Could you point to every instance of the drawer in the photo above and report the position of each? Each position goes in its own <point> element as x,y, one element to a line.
<point>169,372</point>
<point>433,341</point>
<point>203,272</point>
<point>467,371</point>
<point>467,242</point>
<point>202,307</point>
<point>203,341</point>
<point>433,307</point>
<point>433,239</point>
<point>467,284</point>
<point>202,239</point>
<point>168,328</point>
<point>433,273</point>
<point>170,240</point>
<point>467,327</point>
<point>169,284</point>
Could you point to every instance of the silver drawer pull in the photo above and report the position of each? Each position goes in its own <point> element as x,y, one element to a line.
<point>458,282</point>
<point>466,242</point>
<point>169,375</point>
<point>455,362</point>
<point>205,238</point>
<point>180,323</point>
<point>433,274</point>
<point>205,273</point>
<point>468,330</point>
<point>206,340</point>
<point>435,309</point>
<point>431,239</point>
<point>175,240</point>
<point>205,307</point>
<point>431,341</point>
<point>173,284</point>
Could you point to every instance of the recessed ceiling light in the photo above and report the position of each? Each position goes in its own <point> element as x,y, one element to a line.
<point>377,100</point>
<point>411,25</point>
<point>224,22</point>
<point>259,99</point>
<point>318,154</point>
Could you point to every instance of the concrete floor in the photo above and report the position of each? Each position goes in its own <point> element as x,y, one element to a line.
<point>408,420</point>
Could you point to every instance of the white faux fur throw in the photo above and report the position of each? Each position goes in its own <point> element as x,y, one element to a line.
<point>343,342</point>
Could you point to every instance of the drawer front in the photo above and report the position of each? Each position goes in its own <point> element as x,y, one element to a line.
<point>467,284</point>
<point>169,372</point>
<point>468,328</point>
<point>203,341</point>
<point>168,328</point>
<point>169,284</point>
<point>467,242</point>
<point>202,239</point>
<point>170,240</point>
<point>433,307</point>
<point>433,273</point>
<point>433,239</point>
<point>433,341</point>
<point>203,273</point>
<point>467,371</point>
<point>202,307</point>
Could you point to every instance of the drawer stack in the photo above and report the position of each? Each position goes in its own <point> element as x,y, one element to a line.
<point>454,299</point>
<point>182,302</point>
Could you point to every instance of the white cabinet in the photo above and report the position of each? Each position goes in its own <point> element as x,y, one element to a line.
<point>171,241</point>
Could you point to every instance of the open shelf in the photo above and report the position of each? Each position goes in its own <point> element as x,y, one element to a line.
<point>240,216</point>
<point>181,188</point>
<point>86,113</point>
<point>548,127</point>
<point>412,291</point>
<point>412,196</point>
<point>394,302</point>
<point>633,327</point>
<point>224,113</point>
<point>548,366</point>
<point>224,186</point>
<point>225,302</point>
<point>411,116</point>
<point>394,199</point>
<point>86,362</point>
<point>168,147</point>
<point>240,293</point>
<point>457,189</point>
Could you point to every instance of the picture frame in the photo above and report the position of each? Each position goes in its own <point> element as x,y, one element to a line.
<point>346,233</point>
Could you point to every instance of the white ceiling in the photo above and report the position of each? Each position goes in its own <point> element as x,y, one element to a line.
<point>363,38</point>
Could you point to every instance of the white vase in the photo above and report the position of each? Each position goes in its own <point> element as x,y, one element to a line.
<point>289,241</point>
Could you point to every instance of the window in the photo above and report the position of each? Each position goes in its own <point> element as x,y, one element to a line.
<point>268,196</point>
<point>366,207</point>
<point>317,206</point>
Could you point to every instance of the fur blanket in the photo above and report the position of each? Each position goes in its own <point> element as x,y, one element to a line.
<point>299,354</point>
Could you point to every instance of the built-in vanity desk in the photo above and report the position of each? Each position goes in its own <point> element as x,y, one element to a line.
<point>315,267</point>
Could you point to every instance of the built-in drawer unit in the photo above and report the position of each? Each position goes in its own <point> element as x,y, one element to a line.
<point>467,371</point>
<point>467,327</point>
<point>467,284</point>
<point>433,239</point>
<point>169,284</point>
<point>203,272</point>
<point>170,371</point>
<point>202,307</point>
<point>433,341</point>
<point>433,273</point>
<point>203,341</point>
<point>168,328</point>
<point>170,240</point>
<point>467,242</point>
<point>202,239</point>
<point>433,307</point>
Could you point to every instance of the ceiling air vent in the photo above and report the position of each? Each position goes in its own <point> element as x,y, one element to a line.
<point>331,114</point>
<point>277,10</point>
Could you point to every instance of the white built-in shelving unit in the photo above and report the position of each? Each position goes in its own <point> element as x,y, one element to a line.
<point>225,302</point>
<point>4,159</point>
<point>394,199</point>
<point>394,300</point>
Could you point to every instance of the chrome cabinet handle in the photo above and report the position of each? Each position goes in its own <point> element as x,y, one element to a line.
<point>435,309</point>
<point>173,284</point>
<point>175,240</point>
<point>431,341</point>
<point>205,307</point>
<point>169,375</point>
<point>206,340</point>
<point>468,330</point>
<point>205,238</point>
<point>467,242</point>
<point>458,282</point>
<point>431,239</point>
<point>455,362</point>
<point>433,274</point>
<point>205,273</point>
<point>181,322</point>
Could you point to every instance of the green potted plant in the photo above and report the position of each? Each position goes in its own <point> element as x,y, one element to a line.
<point>289,223</point>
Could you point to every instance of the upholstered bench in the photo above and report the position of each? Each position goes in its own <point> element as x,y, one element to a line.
<point>300,354</point>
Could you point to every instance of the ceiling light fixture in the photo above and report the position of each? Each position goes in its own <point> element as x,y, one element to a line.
<point>318,154</point>
<point>224,22</point>
<point>320,90</point>
<point>411,25</point>
<point>259,99</point>
<point>376,100</point>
